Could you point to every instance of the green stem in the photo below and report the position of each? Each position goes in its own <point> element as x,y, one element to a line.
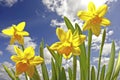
<point>89,51</point>
<point>74,67</point>
<point>26,78</point>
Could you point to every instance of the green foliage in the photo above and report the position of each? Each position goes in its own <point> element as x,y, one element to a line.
<point>58,71</point>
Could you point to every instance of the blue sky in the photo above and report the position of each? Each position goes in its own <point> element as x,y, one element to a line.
<point>41,17</point>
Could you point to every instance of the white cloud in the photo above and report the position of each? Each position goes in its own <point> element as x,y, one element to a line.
<point>28,41</point>
<point>47,56</point>
<point>8,3</point>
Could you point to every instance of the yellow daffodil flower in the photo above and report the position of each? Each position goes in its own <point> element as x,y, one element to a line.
<point>69,43</point>
<point>16,32</point>
<point>25,60</point>
<point>94,18</point>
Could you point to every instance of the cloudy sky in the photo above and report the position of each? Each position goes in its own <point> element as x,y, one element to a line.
<point>42,17</point>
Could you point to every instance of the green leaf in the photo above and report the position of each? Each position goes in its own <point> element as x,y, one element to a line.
<point>102,73</point>
<point>54,55</point>
<point>54,74</point>
<point>70,73</point>
<point>44,69</point>
<point>16,78</point>
<point>117,68</point>
<point>111,62</point>
<point>100,53</point>
<point>9,72</point>
<point>63,74</point>
<point>93,76</point>
<point>82,58</point>
<point>69,24</point>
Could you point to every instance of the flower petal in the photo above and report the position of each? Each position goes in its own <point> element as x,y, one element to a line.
<point>69,36</point>
<point>23,33</point>
<point>21,40</point>
<point>18,51</point>
<point>15,58</point>
<point>61,34</point>
<point>9,31</point>
<point>55,46</point>
<point>20,26</point>
<point>86,26</point>
<point>30,71</point>
<point>84,15</point>
<point>67,56</point>
<point>102,10</point>
<point>12,40</point>
<point>105,22</point>
<point>21,67</point>
<point>91,7</point>
<point>29,53</point>
<point>76,51</point>
<point>96,30</point>
<point>37,60</point>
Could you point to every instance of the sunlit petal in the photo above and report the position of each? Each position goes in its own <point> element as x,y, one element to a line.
<point>61,34</point>
<point>102,10</point>
<point>18,51</point>
<point>84,15</point>
<point>37,60</point>
<point>76,51</point>
<point>96,30</point>
<point>105,22</point>
<point>67,56</point>
<point>91,7</point>
<point>55,46</point>
<point>20,26</point>
<point>29,53</point>
<point>8,31</point>
<point>15,58</point>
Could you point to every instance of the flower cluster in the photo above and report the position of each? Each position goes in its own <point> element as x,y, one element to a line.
<point>71,43</point>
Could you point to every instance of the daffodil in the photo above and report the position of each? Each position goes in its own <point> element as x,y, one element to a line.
<point>68,44</point>
<point>94,18</point>
<point>25,61</point>
<point>16,33</point>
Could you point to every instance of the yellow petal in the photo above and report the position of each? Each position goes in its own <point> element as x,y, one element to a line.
<point>91,7</point>
<point>102,10</point>
<point>37,60</point>
<point>55,46</point>
<point>29,53</point>
<point>23,33</point>
<point>30,71</point>
<point>76,51</point>
<point>105,22</point>
<point>69,36</point>
<point>67,56</point>
<point>21,40</point>
<point>86,26</point>
<point>12,40</point>
<point>9,31</point>
<point>21,67</point>
<point>96,30</point>
<point>18,51</point>
<point>61,34</point>
<point>20,26</point>
<point>15,58</point>
<point>84,15</point>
